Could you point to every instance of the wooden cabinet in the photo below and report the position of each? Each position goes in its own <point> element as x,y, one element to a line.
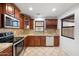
<point>31,23</point>
<point>31,41</point>
<point>11,10</point>
<point>0,21</point>
<point>21,21</point>
<point>24,21</point>
<point>0,8</point>
<point>39,40</point>
<point>17,13</point>
<point>42,41</point>
<point>51,23</point>
<point>26,41</point>
<point>56,40</point>
<point>8,8</point>
<point>35,41</point>
<point>6,52</point>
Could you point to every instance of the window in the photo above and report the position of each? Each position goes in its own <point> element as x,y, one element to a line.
<point>67,27</point>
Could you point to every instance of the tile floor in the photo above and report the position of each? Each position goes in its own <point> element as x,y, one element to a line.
<point>43,51</point>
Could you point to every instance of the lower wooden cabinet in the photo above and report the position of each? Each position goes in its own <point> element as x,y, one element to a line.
<point>26,41</point>
<point>39,41</point>
<point>34,41</point>
<point>56,40</point>
<point>42,41</point>
<point>31,41</point>
<point>6,52</point>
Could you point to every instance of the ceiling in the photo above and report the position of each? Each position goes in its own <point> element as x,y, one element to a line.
<point>45,9</point>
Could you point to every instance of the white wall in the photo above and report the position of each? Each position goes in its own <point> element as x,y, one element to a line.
<point>71,47</point>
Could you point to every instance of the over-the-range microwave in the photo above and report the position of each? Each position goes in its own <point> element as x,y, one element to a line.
<point>10,22</point>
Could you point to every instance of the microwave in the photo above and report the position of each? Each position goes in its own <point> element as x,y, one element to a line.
<point>15,24</point>
<point>10,22</point>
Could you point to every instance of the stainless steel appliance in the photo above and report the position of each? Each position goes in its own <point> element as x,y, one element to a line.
<point>10,22</point>
<point>18,45</point>
<point>18,42</point>
<point>6,37</point>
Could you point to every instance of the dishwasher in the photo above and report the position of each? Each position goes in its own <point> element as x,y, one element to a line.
<point>49,41</point>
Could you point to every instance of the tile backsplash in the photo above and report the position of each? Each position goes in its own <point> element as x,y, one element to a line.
<point>15,31</point>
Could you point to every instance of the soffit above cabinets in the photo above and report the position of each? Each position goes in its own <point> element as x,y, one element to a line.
<point>45,9</point>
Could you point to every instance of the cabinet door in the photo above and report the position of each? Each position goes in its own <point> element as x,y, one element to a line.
<point>26,41</point>
<point>42,41</point>
<point>56,41</point>
<point>6,52</point>
<point>0,8</point>
<point>31,23</point>
<point>17,13</point>
<point>0,20</point>
<point>21,22</point>
<point>52,23</point>
<point>9,9</point>
<point>36,40</point>
<point>31,41</point>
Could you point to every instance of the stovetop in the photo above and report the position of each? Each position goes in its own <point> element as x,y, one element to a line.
<point>8,37</point>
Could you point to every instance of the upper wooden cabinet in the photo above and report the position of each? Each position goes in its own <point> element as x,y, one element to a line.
<point>17,13</point>
<point>24,21</point>
<point>21,21</point>
<point>0,8</point>
<point>51,23</point>
<point>31,23</point>
<point>0,21</point>
<point>8,8</point>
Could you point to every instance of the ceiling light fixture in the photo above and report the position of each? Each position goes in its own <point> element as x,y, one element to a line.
<point>53,9</point>
<point>30,8</point>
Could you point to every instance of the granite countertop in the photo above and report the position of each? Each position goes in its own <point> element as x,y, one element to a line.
<point>48,32</point>
<point>4,46</point>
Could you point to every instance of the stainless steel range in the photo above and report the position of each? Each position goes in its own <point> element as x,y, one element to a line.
<point>6,37</point>
<point>18,45</point>
<point>18,42</point>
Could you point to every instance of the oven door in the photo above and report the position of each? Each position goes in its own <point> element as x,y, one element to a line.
<point>18,48</point>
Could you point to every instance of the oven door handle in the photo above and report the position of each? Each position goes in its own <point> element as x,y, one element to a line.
<point>18,42</point>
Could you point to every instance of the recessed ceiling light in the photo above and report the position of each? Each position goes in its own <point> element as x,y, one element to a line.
<point>30,8</point>
<point>53,9</point>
